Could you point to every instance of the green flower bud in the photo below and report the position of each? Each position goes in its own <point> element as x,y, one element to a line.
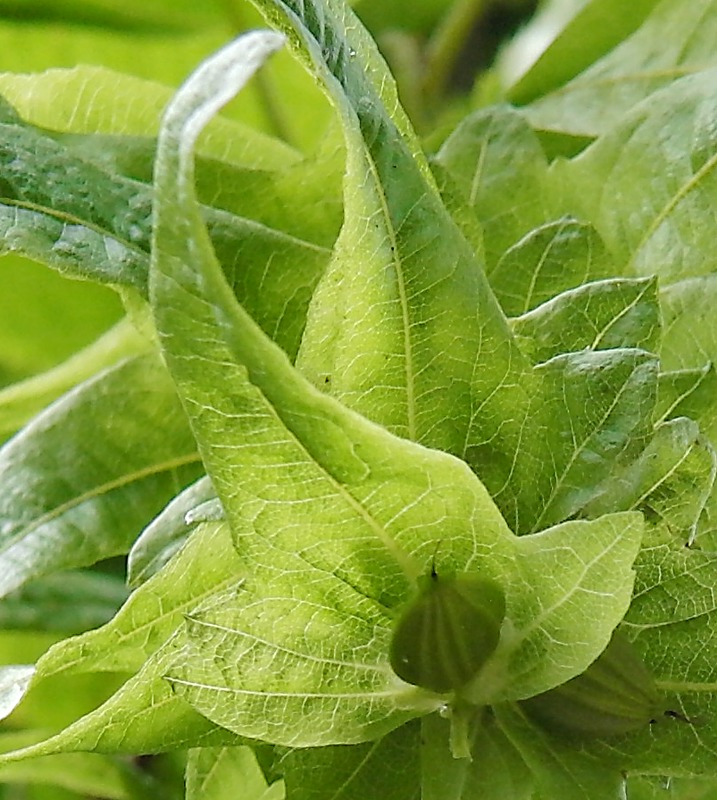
<point>615,695</point>
<point>446,633</point>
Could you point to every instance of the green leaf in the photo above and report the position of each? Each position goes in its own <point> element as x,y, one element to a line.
<point>308,670</point>
<point>648,184</point>
<point>590,412</point>
<point>69,247</point>
<point>595,316</point>
<point>672,478</point>
<point>301,198</point>
<point>50,215</point>
<point>41,302</point>
<point>21,401</point>
<point>597,27</point>
<point>144,623</point>
<point>674,607</point>
<point>559,768</point>
<point>690,339</point>
<point>167,532</point>
<point>688,393</point>
<point>70,602</point>
<point>144,716</point>
<point>498,165</point>
<point>59,100</point>
<point>579,556</point>
<point>138,717</point>
<point>674,40</point>
<point>389,301</point>
<point>672,584</point>
<point>349,773</point>
<point>648,787</point>
<point>125,450</point>
<point>85,773</point>
<point>91,222</point>
<point>215,773</point>
<point>105,14</point>
<point>495,771</point>
<point>285,103</point>
<point>550,259</point>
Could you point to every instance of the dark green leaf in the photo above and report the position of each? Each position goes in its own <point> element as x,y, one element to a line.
<point>83,479</point>
<point>350,773</point>
<point>69,602</point>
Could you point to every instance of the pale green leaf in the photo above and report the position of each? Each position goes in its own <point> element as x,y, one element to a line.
<point>93,99</point>
<point>285,102</point>
<point>594,29</point>
<point>388,302</point>
<point>304,670</point>
<point>372,506</point>
<point>648,186</point>
<point>144,715</point>
<point>333,518</point>
<point>676,39</point>
<point>575,586</point>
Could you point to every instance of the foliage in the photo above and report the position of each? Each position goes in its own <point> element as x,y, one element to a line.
<point>352,361</point>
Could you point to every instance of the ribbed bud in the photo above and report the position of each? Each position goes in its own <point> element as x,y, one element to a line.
<point>615,695</point>
<point>446,633</point>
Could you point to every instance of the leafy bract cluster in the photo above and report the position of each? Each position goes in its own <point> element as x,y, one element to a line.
<point>498,357</point>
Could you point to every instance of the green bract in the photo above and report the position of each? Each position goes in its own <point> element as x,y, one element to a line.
<point>447,633</point>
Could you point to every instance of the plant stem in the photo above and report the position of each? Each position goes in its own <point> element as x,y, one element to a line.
<point>446,45</point>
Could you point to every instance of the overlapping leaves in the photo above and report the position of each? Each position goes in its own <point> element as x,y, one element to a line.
<point>274,624</point>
